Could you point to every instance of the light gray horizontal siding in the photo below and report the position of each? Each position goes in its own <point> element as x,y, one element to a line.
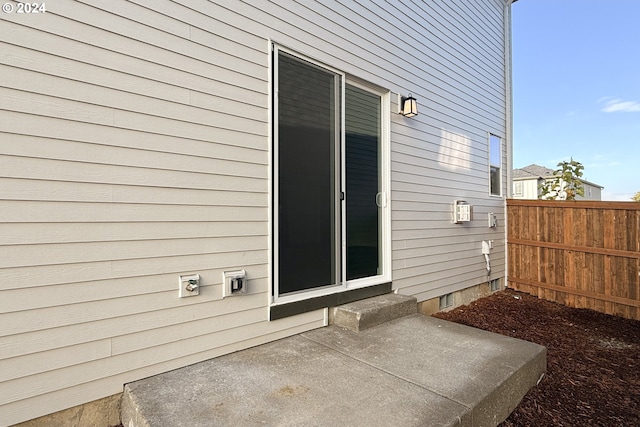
<point>48,402</point>
<point>128,321</point>
<point>136,41</point>
<point>249,118</point>
<point>134,147</point>
<point>93,271</point>
<point>30,255</point>
<point>97,156</point>
<point>39,233</point>
<point>34,211</point>
<point>51,381</point>
<point>24,189</point>
<point>52,294</point>
<point>445,156</point>
<point>17,124</point>
<point>124,175</point>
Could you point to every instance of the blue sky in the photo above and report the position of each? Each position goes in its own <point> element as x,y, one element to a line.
<point>576,89</point>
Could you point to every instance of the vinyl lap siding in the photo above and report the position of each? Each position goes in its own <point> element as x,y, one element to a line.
<point>134,147</point>
<point>447,158</point>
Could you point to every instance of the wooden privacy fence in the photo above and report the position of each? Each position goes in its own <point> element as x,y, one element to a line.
<point>582,254</point>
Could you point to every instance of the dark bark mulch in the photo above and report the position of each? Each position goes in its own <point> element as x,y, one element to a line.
<point>593,359</point>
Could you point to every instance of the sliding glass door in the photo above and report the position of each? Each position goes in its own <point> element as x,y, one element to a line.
<point>308,175</point>
<point>328,180</point>
<point>363,179</point>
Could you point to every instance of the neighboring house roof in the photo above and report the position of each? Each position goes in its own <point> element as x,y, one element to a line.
<point>534,171</point>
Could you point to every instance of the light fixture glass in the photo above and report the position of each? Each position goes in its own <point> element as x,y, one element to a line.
<point>409,106</point>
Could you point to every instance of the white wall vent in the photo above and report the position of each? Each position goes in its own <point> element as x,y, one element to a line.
<point>462,212</point>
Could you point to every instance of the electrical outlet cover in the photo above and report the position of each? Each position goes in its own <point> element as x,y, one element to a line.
<point>186,287</point>
<point>228,279</point>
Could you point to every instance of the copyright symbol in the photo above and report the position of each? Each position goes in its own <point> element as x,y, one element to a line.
<point>7,8</point>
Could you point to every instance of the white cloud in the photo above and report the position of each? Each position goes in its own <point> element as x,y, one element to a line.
<point>618,105</point>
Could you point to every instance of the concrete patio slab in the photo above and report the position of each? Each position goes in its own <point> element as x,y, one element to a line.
<point>412,371</point>
<point>487,373</point>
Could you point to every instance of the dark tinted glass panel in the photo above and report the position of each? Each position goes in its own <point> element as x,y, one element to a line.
<point>495,155</point>
<point>495,181</point>
<point>307,176</point>
<point>362,128</point>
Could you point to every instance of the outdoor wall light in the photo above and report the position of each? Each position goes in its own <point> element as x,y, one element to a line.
<point>408,106</point>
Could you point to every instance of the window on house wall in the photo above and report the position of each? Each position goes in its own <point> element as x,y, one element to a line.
<point>330,185</point>
<point>446,301</point>
<point>495,164</point>
<point>517,189</point>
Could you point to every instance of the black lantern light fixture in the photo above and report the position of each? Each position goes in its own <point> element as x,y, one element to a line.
<point>408,106</point>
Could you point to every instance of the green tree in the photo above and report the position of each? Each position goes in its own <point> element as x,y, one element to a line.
<point>565,184</point>
<point>636,197</point>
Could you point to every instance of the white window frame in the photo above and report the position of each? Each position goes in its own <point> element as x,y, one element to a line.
<point>385,238</point>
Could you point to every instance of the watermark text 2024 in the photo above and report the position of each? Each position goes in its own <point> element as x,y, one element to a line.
<point>29,8</point>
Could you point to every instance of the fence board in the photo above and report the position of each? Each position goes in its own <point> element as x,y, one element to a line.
<point>583,254</point>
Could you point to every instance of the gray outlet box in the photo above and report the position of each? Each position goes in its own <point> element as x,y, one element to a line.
<point>493,220</point>
<point>234,283</point>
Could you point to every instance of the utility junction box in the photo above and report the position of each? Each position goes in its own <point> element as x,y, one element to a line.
<point>493,220</point>
<point>234,283</point>
<point>189,285</point>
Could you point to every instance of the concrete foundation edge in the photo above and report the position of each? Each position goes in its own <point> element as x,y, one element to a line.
<point>462,297</point>
<point>103,412</point>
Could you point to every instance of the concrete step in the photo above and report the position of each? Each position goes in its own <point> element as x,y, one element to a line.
<point>370,312</point>
<point>412,371</point>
